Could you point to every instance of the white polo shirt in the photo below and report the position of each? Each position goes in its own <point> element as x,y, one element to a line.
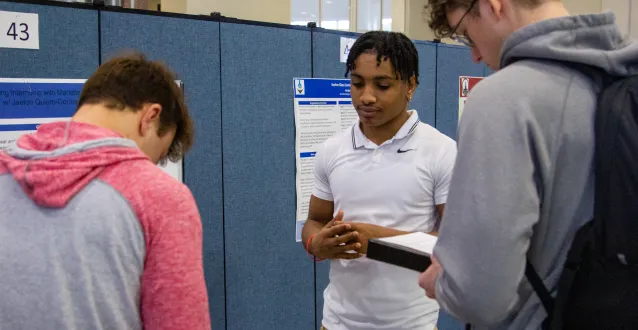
<point>397,185</point>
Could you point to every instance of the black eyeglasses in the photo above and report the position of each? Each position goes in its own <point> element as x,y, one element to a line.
<point>462,39</point>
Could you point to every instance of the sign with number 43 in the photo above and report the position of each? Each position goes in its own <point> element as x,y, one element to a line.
<point>19,30</point>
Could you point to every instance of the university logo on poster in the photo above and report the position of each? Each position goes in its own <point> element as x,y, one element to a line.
<point>465,86</point>
<point>299,87</point>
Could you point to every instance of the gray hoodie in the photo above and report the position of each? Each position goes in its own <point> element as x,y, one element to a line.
<point>523,181</point>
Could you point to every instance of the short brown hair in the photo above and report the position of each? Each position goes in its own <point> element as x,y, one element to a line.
<point>130,81</point>
<point>438,8</point>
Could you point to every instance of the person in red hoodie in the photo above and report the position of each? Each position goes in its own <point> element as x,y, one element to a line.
<point>94,235</point>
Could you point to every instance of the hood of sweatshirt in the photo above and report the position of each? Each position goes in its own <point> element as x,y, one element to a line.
<point>594,40</point>
<point>53,164</point>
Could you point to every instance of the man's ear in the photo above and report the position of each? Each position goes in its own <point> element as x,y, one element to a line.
<point>495,7</point>
<point>411,87</point>
<point>150,118</point>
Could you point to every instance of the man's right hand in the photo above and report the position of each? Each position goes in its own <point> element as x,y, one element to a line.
<point>327,244</point>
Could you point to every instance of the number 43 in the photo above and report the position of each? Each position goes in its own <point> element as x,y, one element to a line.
<point>24,34</point>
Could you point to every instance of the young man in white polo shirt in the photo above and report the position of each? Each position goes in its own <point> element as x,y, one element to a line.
<point>387,175</point>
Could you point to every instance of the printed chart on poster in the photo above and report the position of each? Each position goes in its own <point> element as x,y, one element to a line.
<point>27,103</point>
<point>323,108</point>
<point>465,86</point>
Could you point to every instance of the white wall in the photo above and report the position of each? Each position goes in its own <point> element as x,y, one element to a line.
<point>174,6</point>
<point>416,20</point>
<point>152,4</point>
<point>633,24</point>
<point>274,11</point>
<point>398,15</point>
<point>621,9</point>
<point>579,7</point>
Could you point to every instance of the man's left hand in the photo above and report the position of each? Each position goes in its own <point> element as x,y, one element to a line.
<point>427,280</point>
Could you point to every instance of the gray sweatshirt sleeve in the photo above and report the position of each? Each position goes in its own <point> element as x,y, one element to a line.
<point>492,206</point>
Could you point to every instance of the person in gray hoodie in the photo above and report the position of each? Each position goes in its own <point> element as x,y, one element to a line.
<point>523,181</point>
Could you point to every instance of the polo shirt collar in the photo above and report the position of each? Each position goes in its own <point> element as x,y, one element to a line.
<point>359,140</point>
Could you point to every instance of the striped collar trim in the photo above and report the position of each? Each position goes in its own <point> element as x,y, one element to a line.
<point>359,140</point>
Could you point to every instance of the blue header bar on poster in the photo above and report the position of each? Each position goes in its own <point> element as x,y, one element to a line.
<point>38,100</point>
<point>315,88</point>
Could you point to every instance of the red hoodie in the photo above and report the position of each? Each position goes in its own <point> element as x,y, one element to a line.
<point>108,194</point>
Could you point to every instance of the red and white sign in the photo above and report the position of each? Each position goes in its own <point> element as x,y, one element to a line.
<point>465,86</point>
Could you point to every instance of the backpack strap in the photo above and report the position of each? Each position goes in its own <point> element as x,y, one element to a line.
<point>541,291</point>
<point>580,247</point>
<point>554,307</point>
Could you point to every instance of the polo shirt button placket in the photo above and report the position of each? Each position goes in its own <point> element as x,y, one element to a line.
<point>377,155</point>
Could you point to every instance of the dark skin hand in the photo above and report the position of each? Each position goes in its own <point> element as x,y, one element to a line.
<point>332,237</point>
<point>355,235</point>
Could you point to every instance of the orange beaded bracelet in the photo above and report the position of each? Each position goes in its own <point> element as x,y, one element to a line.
<point>308,249</point>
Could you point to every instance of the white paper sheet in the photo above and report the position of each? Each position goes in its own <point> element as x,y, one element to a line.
<point>418,241</point>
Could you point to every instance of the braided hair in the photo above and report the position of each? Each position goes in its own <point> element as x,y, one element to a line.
<point>394,46</point>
